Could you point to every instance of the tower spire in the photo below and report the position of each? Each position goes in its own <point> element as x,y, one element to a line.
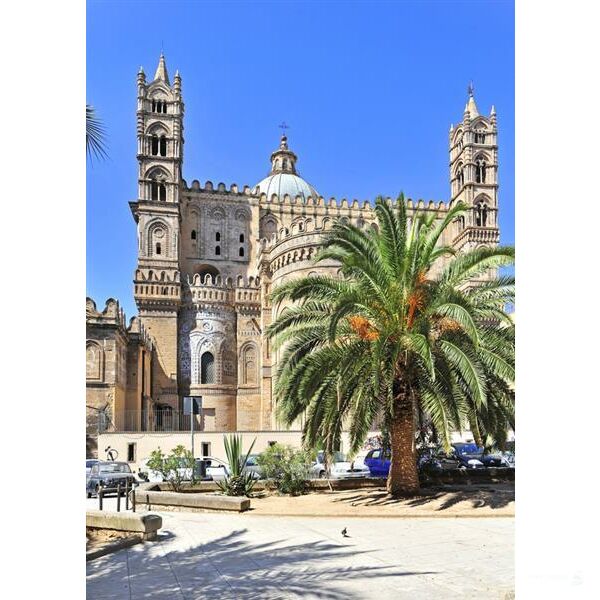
<point>161,71</point>
<point>471,107</point>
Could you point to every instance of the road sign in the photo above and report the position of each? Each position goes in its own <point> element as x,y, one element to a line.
<point>192,401</point>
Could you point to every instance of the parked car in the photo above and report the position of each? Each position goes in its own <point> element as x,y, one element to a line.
<point>216,469</point>
<point>108,475</point>
<point>428,461</point>
<point>471,455</point>
<point>340,467</point>
<point>89,463</point>
<point>155,477</point>
<point>253,467</point>
<point>378,462</point>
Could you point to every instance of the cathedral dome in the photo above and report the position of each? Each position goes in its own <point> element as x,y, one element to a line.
<point>283,178</point>
<point>286,183</point>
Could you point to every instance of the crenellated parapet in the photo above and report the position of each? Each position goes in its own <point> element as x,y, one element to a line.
<point>153,288</point>
<point>112,315</point>
<point>136,330</point>
<point>238,292</point>
<point>300,241</point>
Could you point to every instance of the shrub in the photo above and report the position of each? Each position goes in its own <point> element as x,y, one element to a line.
<point>237,483</point>
<point>285,468</point>
<point>173,467</point>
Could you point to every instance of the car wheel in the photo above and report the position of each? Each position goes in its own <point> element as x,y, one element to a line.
<point>88,494</point>
<point>322,475</point>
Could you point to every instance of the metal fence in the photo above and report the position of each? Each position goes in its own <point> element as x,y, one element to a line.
<point>151,420</point>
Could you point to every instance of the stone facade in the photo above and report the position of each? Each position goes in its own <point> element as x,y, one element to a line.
<point>208,255</point>
<point>118,371</point>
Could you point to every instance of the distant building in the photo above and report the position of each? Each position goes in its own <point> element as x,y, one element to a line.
<point>209,255</point>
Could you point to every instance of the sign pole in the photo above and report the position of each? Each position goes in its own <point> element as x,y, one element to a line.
<point>193,418</point>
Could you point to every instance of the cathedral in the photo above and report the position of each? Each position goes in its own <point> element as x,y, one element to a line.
<point>208,256</point>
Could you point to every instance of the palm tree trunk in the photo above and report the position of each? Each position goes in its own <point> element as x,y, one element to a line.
<point>403,477</point>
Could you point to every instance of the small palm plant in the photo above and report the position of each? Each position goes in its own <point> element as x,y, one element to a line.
<point>237,483</point>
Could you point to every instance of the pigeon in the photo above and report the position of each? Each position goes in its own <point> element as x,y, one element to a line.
<point>345,532</point>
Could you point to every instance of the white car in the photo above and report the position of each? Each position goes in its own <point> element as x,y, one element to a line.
<point>340,468</point>
<point>216,469</point>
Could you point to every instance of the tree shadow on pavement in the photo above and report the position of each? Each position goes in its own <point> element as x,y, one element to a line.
<point>233,567</point>
<point>438,498</point>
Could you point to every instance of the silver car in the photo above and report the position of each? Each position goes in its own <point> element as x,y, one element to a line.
<point>340,468</point>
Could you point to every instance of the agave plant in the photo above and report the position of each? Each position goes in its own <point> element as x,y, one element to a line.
<point>237,483</point>
<point>410,329</point>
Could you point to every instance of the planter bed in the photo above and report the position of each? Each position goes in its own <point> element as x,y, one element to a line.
<point>202,499</point>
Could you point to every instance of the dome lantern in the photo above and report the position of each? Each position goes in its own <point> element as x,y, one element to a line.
<point>283,179</point>
<point>283,160</point>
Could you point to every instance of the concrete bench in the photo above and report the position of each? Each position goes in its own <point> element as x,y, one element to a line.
<point>191,500</point>
<point>145,525</point>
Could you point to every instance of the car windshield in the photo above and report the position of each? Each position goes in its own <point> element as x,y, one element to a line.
<point>468,449</point>
<point>115,468</point>
<point>336,457</point>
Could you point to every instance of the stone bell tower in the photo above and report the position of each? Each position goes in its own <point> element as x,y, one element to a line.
<point>474,176</point>
<point>157,287</point>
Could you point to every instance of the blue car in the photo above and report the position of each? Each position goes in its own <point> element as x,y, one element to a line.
<point>379,461</point>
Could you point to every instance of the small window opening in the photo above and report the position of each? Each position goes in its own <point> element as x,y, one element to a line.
<point>131,452</point>
<point>205,448</point>
<point>193,234</point>
<point>241,238</point>
<point>163,145</point>
<point>154,149</point>
<point>218,250</point>
<point>217,237</point>
<point>158,248</point>
<point>241,251</point>
<point>162,192</point>
<point>154,190</point>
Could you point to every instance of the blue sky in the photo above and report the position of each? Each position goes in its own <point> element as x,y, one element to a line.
<point>368,89</point>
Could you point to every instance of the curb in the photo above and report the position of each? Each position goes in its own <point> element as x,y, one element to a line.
<point>434,515</point>
<point>111,547</point>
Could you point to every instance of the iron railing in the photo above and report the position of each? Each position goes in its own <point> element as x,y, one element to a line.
<point>148,420</point>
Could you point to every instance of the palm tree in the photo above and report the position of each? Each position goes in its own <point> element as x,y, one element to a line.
<point>95,140</point>
<point>404,333</point>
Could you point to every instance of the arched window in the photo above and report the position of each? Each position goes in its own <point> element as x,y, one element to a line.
<point>163,145</point>
<point>158,248</point>
<point>242,251</point>
<point>460,176</point>
<point>481,215</point>
<point>241,238</point>
<point>285,164</point>
<point>480,138</point>
<point>154,145</point>
<point>218,250</point>
<point>158,191</point>
<point>249,364</point>
<point>193,234</point>
<point>93,357</point>
<point>207,368</point>
<point>480,171</point>
<point>217,237</point>
<point>153,105</point>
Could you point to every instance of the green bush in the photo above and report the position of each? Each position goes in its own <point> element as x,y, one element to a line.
<point>237,483</point>
<point>285,468</point>
<point>173,467</point>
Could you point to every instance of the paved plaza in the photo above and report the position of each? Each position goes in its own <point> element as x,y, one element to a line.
<point>237,556</point>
